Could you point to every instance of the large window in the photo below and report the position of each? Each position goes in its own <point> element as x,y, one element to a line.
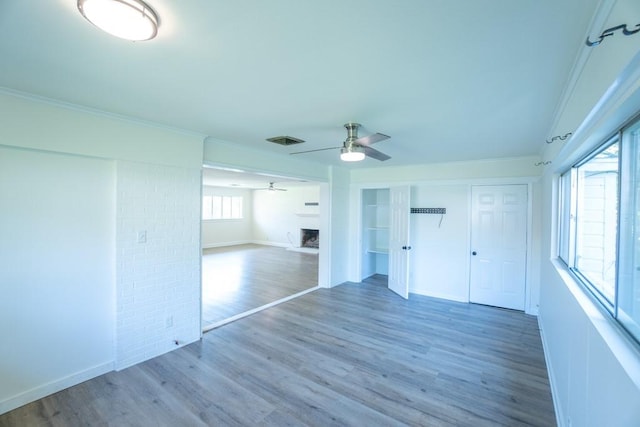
<point>599,225</point>
<point>221,207</point>
<point>597,220</point>
<point>628,307</point>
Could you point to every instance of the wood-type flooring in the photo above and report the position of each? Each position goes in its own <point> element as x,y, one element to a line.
<point>236,279</point>
<point>352,355</point>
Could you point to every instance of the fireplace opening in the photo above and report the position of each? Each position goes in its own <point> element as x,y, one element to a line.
<point>309,238</point>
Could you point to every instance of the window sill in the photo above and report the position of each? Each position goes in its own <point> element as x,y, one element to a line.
<point>619,342</point>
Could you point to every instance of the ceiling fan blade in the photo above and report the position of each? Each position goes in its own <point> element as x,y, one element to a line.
<point>375,154</point>
<point>371,139</point>
<point>271,187</point>
<point>312,151</point>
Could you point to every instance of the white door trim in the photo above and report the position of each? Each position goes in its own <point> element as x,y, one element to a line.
<point>399,240</point>
<point>528,245</point>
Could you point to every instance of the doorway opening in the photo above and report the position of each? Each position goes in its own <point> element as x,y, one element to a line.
<point>385,236</point>
<point>375,232</point>
<point>251,262</point>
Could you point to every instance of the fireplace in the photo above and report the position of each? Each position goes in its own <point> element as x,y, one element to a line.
<point>309,238</point>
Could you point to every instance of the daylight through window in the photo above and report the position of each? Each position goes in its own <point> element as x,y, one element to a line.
<point>599,225</point>
<point>222,207</point>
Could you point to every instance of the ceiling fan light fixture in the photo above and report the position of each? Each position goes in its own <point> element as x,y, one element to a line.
<point>351,154</point>
<point>128,19</point>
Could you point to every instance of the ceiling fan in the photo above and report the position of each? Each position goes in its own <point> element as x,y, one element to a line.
<point>355,149</point>
<point>272,188</point>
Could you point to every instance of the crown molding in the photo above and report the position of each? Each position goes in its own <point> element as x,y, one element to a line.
<point>600,17</point>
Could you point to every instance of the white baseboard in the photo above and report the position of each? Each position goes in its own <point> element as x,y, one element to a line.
<point>552,380</point>
<point>304,250</point>
<point>246,242</point>
<point>438,295</point>
<point>223,244</point>
<point>44,390</point>
<point>267,243</point>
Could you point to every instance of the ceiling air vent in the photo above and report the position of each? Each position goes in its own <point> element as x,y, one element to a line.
<point>285,140</point>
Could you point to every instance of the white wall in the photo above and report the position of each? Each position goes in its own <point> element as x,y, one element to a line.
<point>334,198</point>
<point>594,366</point>
<point>439,258</point>
<point>440,250</point>
<point>57,302</point>
<point>338,235</point>
<point>158,276</point>
<point>467,171</point>
<point>227,232</point>
<point>598,67</point>
<point>270,217</point>
<point>41,124</point>
<point>278,216</point>
<point>225,154</point>
<point>102,179</point>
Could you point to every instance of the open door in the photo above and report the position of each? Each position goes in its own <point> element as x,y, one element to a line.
<point>399,240</point>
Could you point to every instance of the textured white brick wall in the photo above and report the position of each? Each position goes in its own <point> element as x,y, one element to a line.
<point>157,281</point>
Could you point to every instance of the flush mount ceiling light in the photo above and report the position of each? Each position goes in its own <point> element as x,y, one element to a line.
<point>128,19</point>
<point>351,153</point>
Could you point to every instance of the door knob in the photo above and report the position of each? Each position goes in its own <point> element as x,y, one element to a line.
<point>474,253</point>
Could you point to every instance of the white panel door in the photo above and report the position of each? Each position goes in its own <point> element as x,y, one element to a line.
<point>399,198</point>
<point>498,245</point>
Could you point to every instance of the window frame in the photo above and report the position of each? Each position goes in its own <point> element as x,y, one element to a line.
<point>566,229</point>
<point>626,210</point>
<point>610,305</point>
<point>225,210</point>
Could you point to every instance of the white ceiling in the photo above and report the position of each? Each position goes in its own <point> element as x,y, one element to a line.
<point>446,79</point>
<point>239,179</point>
